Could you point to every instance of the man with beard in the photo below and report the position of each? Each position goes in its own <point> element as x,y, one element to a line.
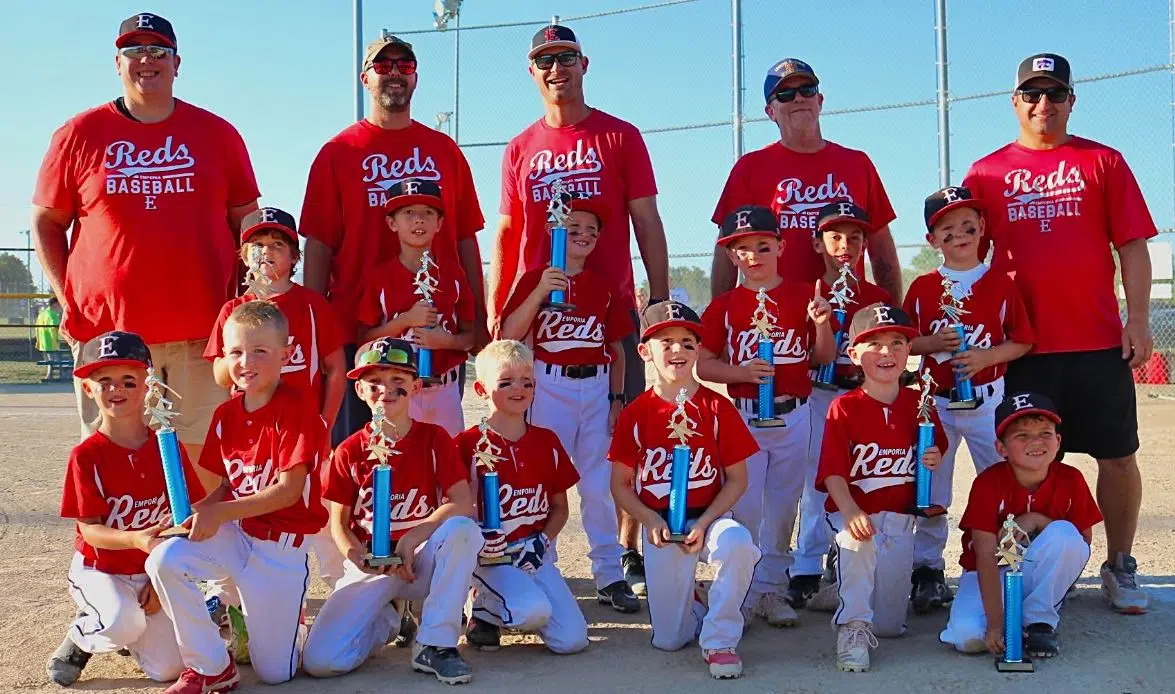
<point>343,209</point>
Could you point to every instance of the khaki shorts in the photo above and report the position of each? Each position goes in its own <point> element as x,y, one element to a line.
<point>183,368</point>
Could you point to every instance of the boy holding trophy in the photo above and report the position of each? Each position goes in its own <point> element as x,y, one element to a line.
<point>679,455</point>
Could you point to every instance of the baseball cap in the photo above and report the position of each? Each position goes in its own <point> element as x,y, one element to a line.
<point>110,349</point>
<point>1023,404</point>
<point>669,314</point>
<point>414,191</point>
<point>269,218</point>
<point>553,36</point>
<point>784,69</point>
<point>748,220</point>
<point>880,318</point>
<point>842,212</point>
<point>942,201</point>
<point>145,24</point>
<point>391,352</point>
<point>381,43</point>
<point>581,201</point>
<point>1049,65</point>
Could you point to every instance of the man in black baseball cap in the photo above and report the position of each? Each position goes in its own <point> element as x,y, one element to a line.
<point>145,25</point>
<point>1049,66</point>
<point>553,36</point>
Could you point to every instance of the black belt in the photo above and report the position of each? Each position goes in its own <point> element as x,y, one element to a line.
<point>847,382</point>
<point>578,370</point>
<point>982,392</point>
<point>783,405</point>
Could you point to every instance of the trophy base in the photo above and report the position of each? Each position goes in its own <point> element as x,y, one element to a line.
<point>1024,665</point>
<point>175,531</point>
<point>427,381</point>
<point>552,306</point>
<point>766,423</point>
<point>380,562</point>
<point>678,537</point>
<point>962,404</point>
<point>928,512</point>
<point>831,387</point>
<point>495,561</point>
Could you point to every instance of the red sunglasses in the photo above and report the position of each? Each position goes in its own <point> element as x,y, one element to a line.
<point>383,66</point>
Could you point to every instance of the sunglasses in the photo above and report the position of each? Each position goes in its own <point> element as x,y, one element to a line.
<point>154,52</point>
<point>383,66</point>
<point>1057,95</point>
<point>788,94</point>
<point>566,59</point>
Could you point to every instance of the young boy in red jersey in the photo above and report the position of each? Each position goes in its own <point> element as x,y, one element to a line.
<point>265,444</point>
<point>115,490</point>
<point>802,334</point>
<point>867,468</point>
<point>579,381</point>
<point>393,305</point>
<point>996,324</point>
<point>534,474</point>
<point>1051,502</point>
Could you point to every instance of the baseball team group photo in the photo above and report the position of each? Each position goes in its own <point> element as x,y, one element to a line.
<point>379,437</point>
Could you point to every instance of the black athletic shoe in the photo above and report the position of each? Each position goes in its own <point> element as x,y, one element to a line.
<point>634,571</point>
<point>800,589</point>
<point>483,636</point>
<point>1041,641</point>
<point>407,627</point>
<point>66,664</point>
<point>929,590</point>
<point>619,596</point>
<point>446,664</point>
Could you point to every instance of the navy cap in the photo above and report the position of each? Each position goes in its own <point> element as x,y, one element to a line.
<point>950,198</point>
<point>669,314</point>
<point>748,220</point>
<point>414,191</point>
<point>880,318</point>
<point>1023,404</point>
<point>784,69</point>
<point>113,348</point>
<point>391,352</point>
<point>842,212</point>
<point>553,36</point>
<point>145,24</point>
<point>269,218</point>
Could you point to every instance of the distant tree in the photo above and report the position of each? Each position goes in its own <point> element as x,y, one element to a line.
<point>694,280</point>
<point>15,278</point>
<point>925,260</point>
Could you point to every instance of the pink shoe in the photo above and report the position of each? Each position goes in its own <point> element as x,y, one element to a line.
<point>192,682</point>
<point>724,663</point>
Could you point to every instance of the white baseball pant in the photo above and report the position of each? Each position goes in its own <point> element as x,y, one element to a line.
<point>272,577</point>
<point>510,597</point>
<point>112,619</point>
<point>358,617</point>
<point>440,404</point>
<point>1052,564</point>
<point>977,428</point>
<point>873,577</point>
<point>813,537</point>
<point>577,410</point>
<point>675,614</point>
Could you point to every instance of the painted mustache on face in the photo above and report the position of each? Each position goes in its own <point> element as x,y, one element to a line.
<point>400,393</point>
<point>969,231</point>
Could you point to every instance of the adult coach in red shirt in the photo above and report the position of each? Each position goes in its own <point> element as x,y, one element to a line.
<point>343,216</point>
<point>155,190</point>
<point>797,175</point>
<point>1055,203</point>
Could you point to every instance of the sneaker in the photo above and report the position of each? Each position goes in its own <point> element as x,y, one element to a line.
<point>827,599</point>
<point>1120,586</point>
<point>445,663</point>
<point>482,635</point>
<point>724,663</point>
<point>773,607</point>
<point>619,596</point>
<point>972,646</point>
<point>192,682</point>
<point>830,564</point>
<point>929,590</point>
<point>407,626</point>
<point>1041,641</point>
<point>634,571</point>
<point>800,589</point>
<point>853,641</point>
<point>66,664</point>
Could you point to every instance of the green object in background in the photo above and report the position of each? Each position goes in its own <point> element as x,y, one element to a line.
<point>48,337</point>
<point>238,645</point>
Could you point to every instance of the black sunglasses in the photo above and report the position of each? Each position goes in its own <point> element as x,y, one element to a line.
<point>1057,95</point>
<point>788,94</point>
<point>566,59</point>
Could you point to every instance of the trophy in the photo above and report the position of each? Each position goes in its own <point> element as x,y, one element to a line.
<point>159,410</point>
<point>681,427</point>
<point>381,493</point>
<point>1011,554</point>
<point>841,296</point>
<point>257,282</point>
<point>426,285</point>
<point>486,455</point>
<point>557,212</point>
<point>764,323</point>
<point>922,475</point>
<point>963,395</point>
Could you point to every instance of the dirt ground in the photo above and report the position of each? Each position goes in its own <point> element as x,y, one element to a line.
<point>1101,652</point>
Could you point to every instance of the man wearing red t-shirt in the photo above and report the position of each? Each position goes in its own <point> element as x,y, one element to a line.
<point>155,189</point>
<point>348,186</point>
<point>799,174</point>
<point>1055,203</point>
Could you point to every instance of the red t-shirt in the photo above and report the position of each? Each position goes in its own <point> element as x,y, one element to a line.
<point>314,335</point>
<point>871,445</point>
<point>345,195</point>
<point>123,487</point>
<point>1052,216</point>
<point>864,293</point>
<point>995,315</point>
<point>601,155</point>
<point>423,473</point>
<point>729,334</point>
<point>535,467</point>
<point>641,441</point>
<point>1063,495</point>
<point>575,337</point>
<point>150,204</point>
<point>795,186</point>
<point>390,292</point>
<point>252,449</point>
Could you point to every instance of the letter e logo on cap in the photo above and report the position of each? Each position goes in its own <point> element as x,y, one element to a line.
<point>950,194</point>
<point>1021,402</point>
<point>881,313</point>
<point>845,209</point>
<point>267,215</point>
<point>1042,64</point>
<point>145,21</point>
<point>741,220</point>
<point>106,347</point>
<point>411,187</point>
<point>673,311</point>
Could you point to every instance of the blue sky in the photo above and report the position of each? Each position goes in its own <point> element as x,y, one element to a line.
<point>282,73</point>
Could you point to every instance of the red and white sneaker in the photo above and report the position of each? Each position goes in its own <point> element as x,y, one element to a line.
<point>192,682</point>
<point>724,663</point>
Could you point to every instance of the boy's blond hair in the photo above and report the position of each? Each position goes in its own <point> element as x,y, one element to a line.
<point>256,314</point>
<point>500,353</point>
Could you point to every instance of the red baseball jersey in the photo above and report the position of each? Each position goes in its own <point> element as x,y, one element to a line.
<point>729,334</point>
<point>314,335</point>
<point>995,315</point>
<point>641,441</point>
<point>150,204</point>
<point>995,493</point>
<point>795,186</point>
<point>390,292</point>
<point>251,450</point>
<point>345,195</point>
<point>425,470</point>
<point>575,337</point>
<point>123,487</point>
<point>1051,216</point>
<point>600,155</point>
<point>871,445</point>
<point>864,293</point>
<point>534,467</point>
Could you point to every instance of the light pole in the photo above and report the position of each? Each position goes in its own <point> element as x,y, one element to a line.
<point>443,11</point>
<point>357,13</point>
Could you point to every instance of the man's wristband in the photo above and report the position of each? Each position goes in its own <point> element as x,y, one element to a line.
<point>617,397</point>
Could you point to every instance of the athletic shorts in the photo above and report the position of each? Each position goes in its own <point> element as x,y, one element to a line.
<point>634,366</point>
